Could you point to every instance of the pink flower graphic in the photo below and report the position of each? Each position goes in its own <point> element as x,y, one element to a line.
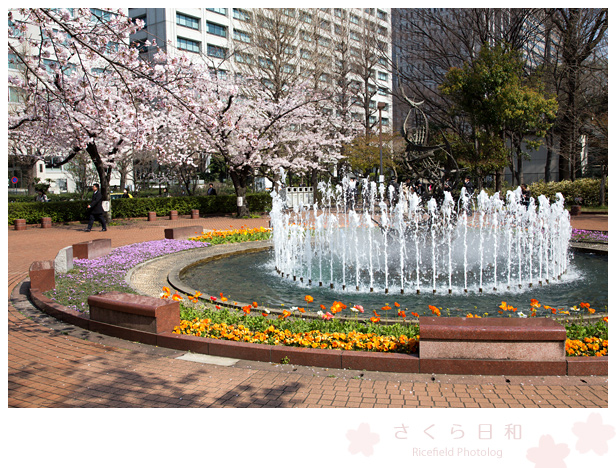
<point>593,434</point>
<point>362,440</point>
<point>548,454</point>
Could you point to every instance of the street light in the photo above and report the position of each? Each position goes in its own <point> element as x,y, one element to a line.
<point>381,106</point>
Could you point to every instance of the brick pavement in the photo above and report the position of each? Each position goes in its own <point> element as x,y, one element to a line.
<point>52,364</point>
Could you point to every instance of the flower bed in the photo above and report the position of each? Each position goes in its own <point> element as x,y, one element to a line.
<point>230,236</point>
<point>107,273</point>
<point>328,333</point>
<point>581,235</point>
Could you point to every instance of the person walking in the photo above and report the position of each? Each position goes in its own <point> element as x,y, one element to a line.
<point>96,209</point>
<point>211,190</point>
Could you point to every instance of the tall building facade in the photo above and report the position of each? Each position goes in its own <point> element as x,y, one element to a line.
<point>348,50</point>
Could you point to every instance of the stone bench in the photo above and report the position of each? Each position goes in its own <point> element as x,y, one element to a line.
<point>92,249</point>
<point>183,232</point>
<point>143,313</point>
<point>492,346</point>
<point>521,339</point>
<point>42,275</point>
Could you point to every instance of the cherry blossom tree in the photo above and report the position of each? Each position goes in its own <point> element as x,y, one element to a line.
<point>88,89</point>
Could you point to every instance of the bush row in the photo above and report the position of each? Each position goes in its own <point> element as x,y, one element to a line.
<point>66,211</point>
<point>585,189</point>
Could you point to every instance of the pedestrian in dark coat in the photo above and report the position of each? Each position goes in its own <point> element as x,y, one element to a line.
<point>96,209</point>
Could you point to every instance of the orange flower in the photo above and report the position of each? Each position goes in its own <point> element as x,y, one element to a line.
<point>177,297</point>
<point>284,315</point>
<point>322,306</point>
<point>435,310</point>
<point>385,307</point>
<point>218,307</point>
<point>166,290</point>
<point>308,299</point>
<point>246,309</point>
<point>396,304</point>
<point>401,314</point>
<point>584,305</point>
<point>255,305</point>
<point>302,310</point>
<point>503,306</point>
<point>375,319</point>
<point>415,314</point>
<point>534,303</point>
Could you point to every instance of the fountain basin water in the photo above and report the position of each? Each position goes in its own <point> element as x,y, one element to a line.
<point>249,277</point>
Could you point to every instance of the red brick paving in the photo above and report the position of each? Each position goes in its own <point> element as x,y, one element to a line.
<point>55,365</point>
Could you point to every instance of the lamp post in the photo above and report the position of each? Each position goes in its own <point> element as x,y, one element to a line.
<point>381,106</point>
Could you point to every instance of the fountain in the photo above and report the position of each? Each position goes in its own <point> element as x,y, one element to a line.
<point>384,241</point>
<point>463,256</point>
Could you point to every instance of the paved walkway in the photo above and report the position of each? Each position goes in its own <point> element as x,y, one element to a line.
<point>52,364</point>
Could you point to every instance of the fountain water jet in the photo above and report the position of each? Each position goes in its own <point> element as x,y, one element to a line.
<point>377,244</point>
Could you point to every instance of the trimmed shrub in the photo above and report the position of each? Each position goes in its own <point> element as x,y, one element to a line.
<point>63,212</point>
<point>585,189</point>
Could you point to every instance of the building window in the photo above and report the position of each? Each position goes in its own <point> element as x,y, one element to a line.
<point>305,54</point>
<point>305,17</point>
<point>189,45</point>
<point>382,91</point>
<point>370,11</point>
<point>15,95</point>
<point>382,30</point>
<point>220,11</point>
<point>353,35</point>
<point>216,51</point>
<point>338,12</point>
<point>216,29</point>
<point>241,36</point>
<point>381,15</point>
<point>354,19</point>
<point>100,15</point>
<point>383,76</point>
<point>15,63</point>
<point>324,41</point>
<point>243,58</point>
<point>241,15</point>
<point>188,21</point>
<point>385,121</point>
<point>266,63</point>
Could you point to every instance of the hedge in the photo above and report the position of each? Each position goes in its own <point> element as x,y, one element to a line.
<point>586,189</point>
<point>63,212</point>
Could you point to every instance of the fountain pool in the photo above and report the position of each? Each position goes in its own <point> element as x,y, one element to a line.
<point>251,277</point>
<point>373,246</point>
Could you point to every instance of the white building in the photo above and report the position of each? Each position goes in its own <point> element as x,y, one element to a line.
<point>223,36</point>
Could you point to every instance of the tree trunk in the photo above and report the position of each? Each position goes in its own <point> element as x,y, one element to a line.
<point>498,180</point>
<point>602,187</point>
<point>240,182</point>
<point>549,139</point>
